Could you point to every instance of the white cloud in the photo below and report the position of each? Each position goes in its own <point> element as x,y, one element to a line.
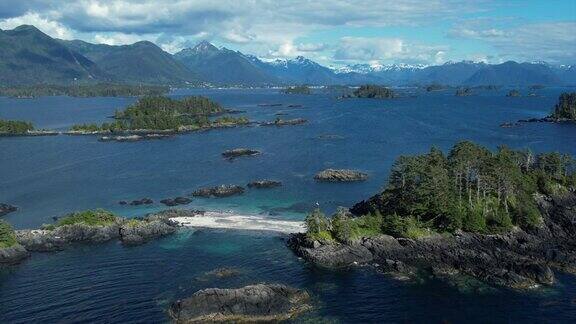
<point>551,41</point>
<point>386,50</point>
<point>48,26</point>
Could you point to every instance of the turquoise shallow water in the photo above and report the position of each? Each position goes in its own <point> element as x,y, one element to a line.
<point>51,176</point>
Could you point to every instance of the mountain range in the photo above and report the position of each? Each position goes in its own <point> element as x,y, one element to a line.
<point>28,56</point>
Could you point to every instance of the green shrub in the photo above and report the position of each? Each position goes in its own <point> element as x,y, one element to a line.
<point>97,217</point>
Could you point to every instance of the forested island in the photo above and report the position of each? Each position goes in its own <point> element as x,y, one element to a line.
<point>83,90</point>
<point>371,91</point>
<point>166,115</point>
<point>15,127</point>
<point>451,208</point>
<point>565,109</point>
<point>297,90</point>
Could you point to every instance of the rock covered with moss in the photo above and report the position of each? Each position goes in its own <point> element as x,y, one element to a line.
<point>255,303</point>
<point>239,152</point>
<point>6,209</point>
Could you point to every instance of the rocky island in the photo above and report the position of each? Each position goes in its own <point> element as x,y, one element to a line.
<point>219,191</point>
<point>21,128</point>
<point>249,304</point>
<point>239,152</point>
<point>11,251</point>
<point>261,184</point>
<point>371,91</point>
<point>341,175</point>
<point>506,218</point>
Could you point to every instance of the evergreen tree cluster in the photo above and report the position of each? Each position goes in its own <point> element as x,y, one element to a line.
<point>7,236</point>
<point>373,91</point>
<point>298,90</point>
<point>14,127</point>
<point>83,90</point>
<point>471,189</point>
<point>160,113</point>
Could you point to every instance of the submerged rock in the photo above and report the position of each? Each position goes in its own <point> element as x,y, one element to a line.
<point>256,303</point>
<point>518,259</point>
<point>6,209</point>
<point>260,184</point>
<point>333,175</point>
<point>219,192</point>
<point>238,152</point>
<point>176,201</point>
<point>143,201</point>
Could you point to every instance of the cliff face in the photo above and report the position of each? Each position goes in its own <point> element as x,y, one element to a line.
<point>518,259</point>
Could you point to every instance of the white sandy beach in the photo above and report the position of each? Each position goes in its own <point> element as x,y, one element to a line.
<point>225,220</point>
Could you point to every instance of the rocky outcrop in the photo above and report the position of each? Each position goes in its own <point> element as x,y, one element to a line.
<point>256,303</point>
<point>238,152</point>
<point>333,175</point>
<point>13,254</point>
<point>219,192</point>
<point>261,184</point>
<point>45,240</point>
<point>139,232</point>
<point>518,259</point>
<point>6,209</point>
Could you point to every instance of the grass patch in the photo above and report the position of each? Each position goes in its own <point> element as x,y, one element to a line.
<point>97,217</point>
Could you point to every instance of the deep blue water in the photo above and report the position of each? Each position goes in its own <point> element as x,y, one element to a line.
<point>50,176</point>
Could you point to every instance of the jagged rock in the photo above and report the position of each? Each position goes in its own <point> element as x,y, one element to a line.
<point>219,192</point>
<point>13,254</point>
<point>6,209</point>
<point>517,259</point>
<point>256,303</point>
<point>143,201</point>
<point>333,175</point>
<point>259,184</point>
<point>238,152</point>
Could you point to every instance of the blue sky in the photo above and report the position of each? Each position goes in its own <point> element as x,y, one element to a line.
<point>333,32</point>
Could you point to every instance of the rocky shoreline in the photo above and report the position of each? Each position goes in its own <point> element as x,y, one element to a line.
<point>254,303</point>
<point>128,231</point>
<point>518,259</point>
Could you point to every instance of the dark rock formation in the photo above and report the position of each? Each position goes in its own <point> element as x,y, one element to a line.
<point>260,184</point>
<point>139,232</point>
<point>257,303</point>
<point>13,254</point>
<point>238,152</point>
<point>6,209</point>
<point>219,192</point>
<point>518,259</point>
<point>176,201</point>
<point>62,236</point>
<point>333,175</point>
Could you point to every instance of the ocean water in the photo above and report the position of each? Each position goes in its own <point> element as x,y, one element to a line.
<point>51,176</point>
